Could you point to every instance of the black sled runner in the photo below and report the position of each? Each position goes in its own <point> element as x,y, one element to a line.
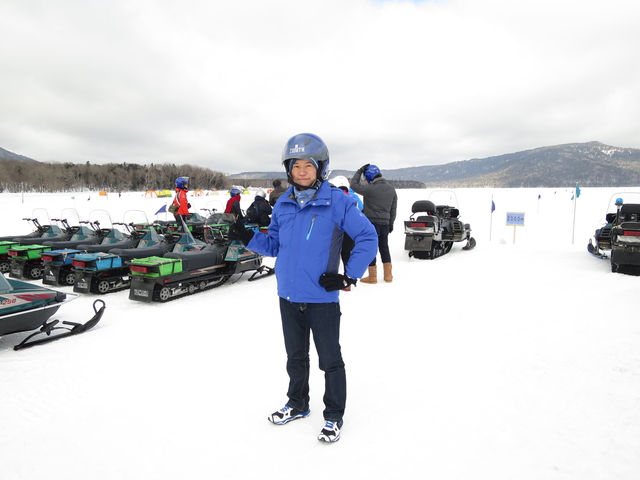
<point>25,307</point>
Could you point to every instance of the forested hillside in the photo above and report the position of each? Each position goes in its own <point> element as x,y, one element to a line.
<point>21,176</point>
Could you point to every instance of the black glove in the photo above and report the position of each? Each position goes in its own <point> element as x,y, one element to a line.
<point>188,205</point>
<point>391,228</point>
<point>335,281</point>
<point>237,231</point>
<point>363,168</point>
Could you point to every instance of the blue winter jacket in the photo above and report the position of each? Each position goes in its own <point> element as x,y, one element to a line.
<point>307,242</point>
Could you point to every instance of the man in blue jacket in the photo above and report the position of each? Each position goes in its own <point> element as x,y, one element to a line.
<point>305,234</point>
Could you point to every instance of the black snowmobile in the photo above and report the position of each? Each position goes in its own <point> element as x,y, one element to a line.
<point>26,258</point>
<point>25,307</point>
<point>620,234</point>
<point>43,230</point>
<point>432,230</point>
<point>176,274</point>
<point>42,227</point>
<point>104,272</point>
<point>57,263</point>
<point>195,225</point>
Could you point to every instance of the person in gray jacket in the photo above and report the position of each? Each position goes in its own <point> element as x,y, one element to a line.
<point>380,201</point>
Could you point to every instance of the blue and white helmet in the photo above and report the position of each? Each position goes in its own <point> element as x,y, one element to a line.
<point>234,192</point>
<point>371,172</point>
<point>181,182</point>
<point>307,146</point>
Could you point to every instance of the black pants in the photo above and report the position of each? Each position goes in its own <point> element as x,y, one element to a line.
<point>323,319</point>
<point>181,221</point>
<point>383,243</point>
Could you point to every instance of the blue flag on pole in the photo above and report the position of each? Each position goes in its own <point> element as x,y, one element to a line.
<point>577,190</point>
<point>493,206</point>
<point>162,209</point>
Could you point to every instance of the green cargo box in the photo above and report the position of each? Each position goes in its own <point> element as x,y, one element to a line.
<point>29,251</point>
<point>6,245</point>
<point>155,266</point>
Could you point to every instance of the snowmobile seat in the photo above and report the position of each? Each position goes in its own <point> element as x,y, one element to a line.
<point>629,212</point>
<point>194,259</point>
<point>105,247</point>
<point>426,206</point>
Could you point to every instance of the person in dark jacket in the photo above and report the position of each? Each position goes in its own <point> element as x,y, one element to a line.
<point>307,226</point>
<point>233,204</point>
<point>259,211</point>
<point>347,241</point>
<point>180,200</point>
<point>380,202</point>
<point>278,190</point>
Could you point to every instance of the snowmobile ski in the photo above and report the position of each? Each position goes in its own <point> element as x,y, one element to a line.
<point>73,329</point>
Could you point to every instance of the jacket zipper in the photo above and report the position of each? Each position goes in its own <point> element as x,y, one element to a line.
<point>313,219</point>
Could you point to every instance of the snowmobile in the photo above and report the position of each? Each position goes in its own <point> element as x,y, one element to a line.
<point>432,230</point>
<point>57,263</point>
<point>43,230</point>
<point>104,272</point>
<point>25,307</point>
<point>68,224</point>
<point>195,224</point>
<point>41,224</point>
<point>620,234</point>
<point>26,258</point>
<point>135,230</point>
<point>176,274</point>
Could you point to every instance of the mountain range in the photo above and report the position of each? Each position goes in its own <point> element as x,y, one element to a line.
<point>592,164</point>
<point>7,155</point>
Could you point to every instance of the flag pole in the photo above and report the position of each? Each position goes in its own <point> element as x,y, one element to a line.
<point>491,221</point>
<point>575,205</point>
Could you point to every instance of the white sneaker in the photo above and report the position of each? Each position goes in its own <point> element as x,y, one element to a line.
<point>286,414</point>
<point>330,432</point>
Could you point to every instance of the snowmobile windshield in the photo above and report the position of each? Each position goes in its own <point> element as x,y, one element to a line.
<point>220,219</point>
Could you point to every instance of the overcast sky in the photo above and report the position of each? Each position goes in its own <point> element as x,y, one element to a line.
<point>224,84</point>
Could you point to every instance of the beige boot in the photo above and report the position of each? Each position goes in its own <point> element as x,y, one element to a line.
<point>373,276</point>
<point>387,272</point>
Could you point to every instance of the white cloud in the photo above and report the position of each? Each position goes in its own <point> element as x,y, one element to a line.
<point>225,84</point>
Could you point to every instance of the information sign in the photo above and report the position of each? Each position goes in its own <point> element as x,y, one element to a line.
<point>515,219</point>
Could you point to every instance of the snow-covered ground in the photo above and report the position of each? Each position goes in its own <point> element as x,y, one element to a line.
<point>511,361</point>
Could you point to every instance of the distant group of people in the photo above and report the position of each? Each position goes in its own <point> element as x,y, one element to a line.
<point>308,222</point>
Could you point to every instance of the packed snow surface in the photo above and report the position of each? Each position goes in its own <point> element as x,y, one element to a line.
<point>519,359</point>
